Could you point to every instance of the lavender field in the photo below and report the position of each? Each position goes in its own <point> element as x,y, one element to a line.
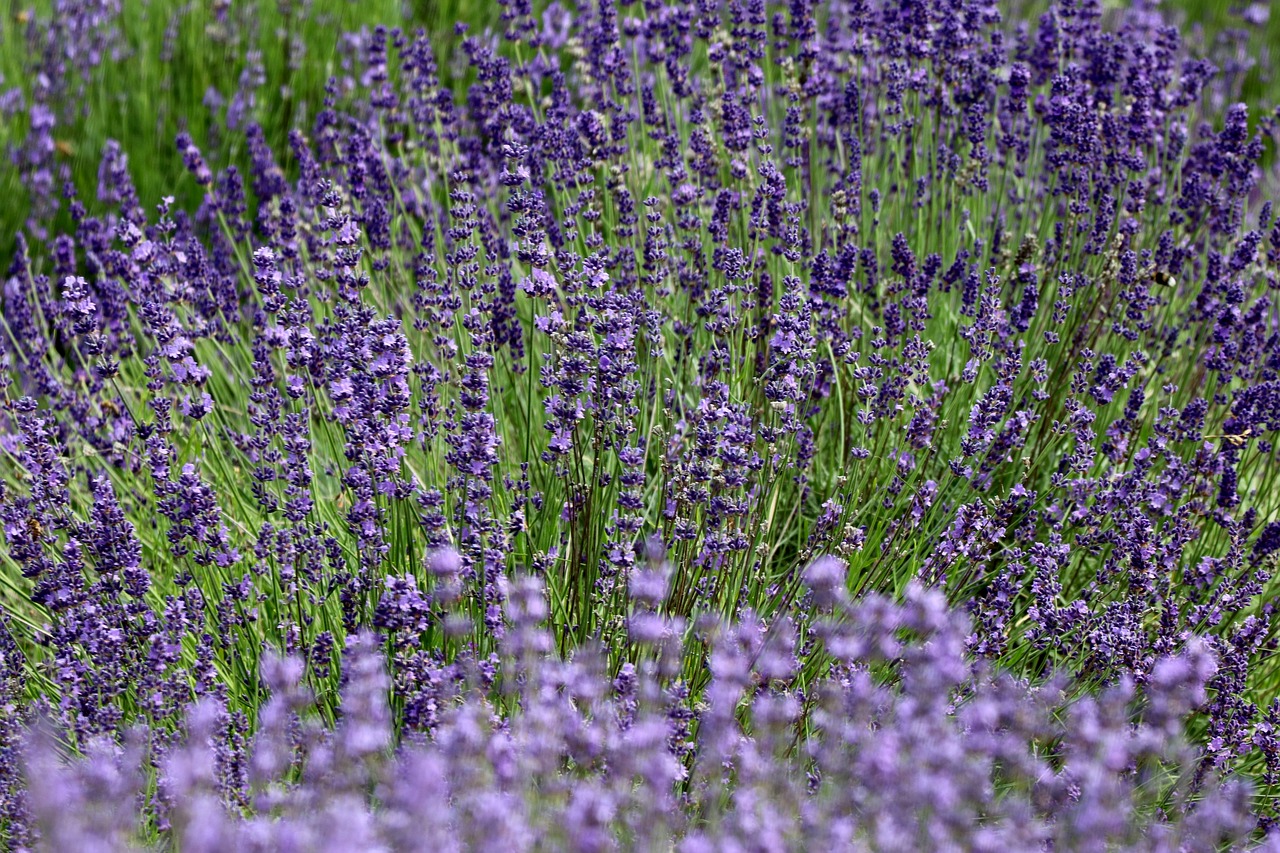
<point>661,425</point>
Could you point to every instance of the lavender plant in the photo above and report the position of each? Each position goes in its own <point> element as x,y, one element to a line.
<point>551,368</point>
<point>590,765</point>
<point>77,73</point>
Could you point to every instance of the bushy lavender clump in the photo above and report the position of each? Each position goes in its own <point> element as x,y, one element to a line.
<point>890,290</point>
<point>904,744</point>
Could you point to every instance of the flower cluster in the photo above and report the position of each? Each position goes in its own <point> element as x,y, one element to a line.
<point>945,755</point>
<point>610,376</point>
